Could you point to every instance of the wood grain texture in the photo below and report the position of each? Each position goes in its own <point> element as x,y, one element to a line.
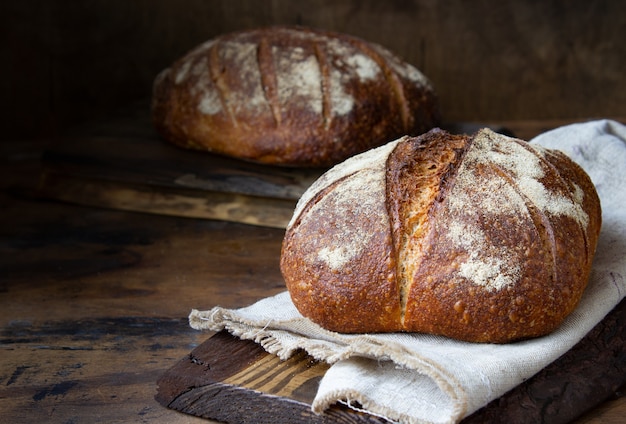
<point>235,381</point>
<point>93,302</point>
<point>131,168</point>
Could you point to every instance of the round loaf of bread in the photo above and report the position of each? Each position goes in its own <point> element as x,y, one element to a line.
<point>481,238</point>
<point>291,96</point>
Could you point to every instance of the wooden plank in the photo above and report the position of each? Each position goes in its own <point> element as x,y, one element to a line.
<point>97,369</point>
<point>235,381</point>
<point>153,162</point>
<point>93,302</point>
<point>148,175</point>
<point>263,211</point>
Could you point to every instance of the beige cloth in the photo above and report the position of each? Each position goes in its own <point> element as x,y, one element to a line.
<point>417,378</point>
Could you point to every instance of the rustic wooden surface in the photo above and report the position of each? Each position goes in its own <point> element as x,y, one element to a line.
<point>93,302</point>
<point>235,381</point>
<point>123,164</point>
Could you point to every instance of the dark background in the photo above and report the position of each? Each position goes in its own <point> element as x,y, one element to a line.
<point>68,61</point>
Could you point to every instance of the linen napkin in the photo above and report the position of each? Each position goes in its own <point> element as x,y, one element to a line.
<point>418,378</point>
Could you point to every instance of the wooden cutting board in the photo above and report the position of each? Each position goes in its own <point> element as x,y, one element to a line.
<point>146,174</point>
<point>236,381</point>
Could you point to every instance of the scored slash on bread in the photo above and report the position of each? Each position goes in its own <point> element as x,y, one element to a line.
<point>291,96</point>
<point>482,238</point>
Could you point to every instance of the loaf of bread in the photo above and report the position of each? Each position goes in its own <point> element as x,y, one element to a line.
<point>481,238</point>
<point>291,96</point>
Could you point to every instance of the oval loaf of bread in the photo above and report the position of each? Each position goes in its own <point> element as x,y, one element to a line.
<point>482,238</point>
<point>291,96</point>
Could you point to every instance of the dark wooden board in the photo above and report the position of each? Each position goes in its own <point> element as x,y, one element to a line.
<point>148,175</point>
<point>236,381</point>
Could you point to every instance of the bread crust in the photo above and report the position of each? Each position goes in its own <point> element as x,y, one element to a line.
<point>481,238</point>
<point>291,96</point>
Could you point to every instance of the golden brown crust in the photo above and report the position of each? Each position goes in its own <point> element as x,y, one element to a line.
<point>290,96</point>
<point>426,162</point>
<point>483,238</point>
<point>337,233</point>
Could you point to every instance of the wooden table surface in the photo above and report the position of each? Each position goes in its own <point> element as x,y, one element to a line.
<point>94,302</point>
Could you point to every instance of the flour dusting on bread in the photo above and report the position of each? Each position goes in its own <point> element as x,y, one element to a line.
<point>481,238</point>
<point>405,70</point>
<point>290,96</point>
<point>501,177</point>
<point>371,162</point>
<point>338,251</point>
<point>526,167</point>
<point>299,77</point>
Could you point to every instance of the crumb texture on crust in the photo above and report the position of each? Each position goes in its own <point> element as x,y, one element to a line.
<point>417,172</point>
<point>291,96</point>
